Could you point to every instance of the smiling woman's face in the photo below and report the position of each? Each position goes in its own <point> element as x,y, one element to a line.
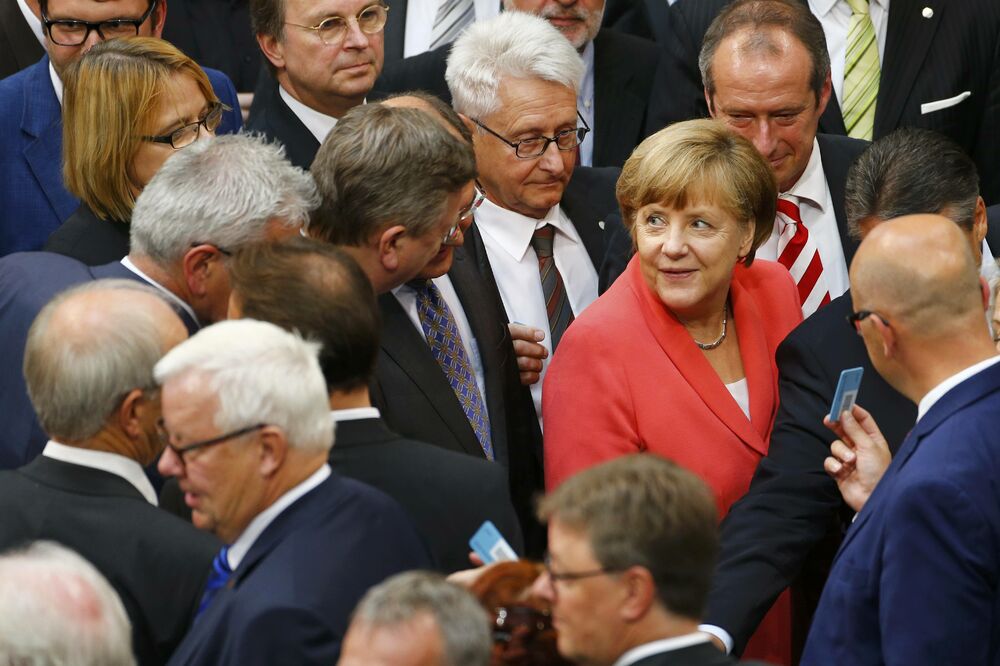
<point>687,256</point>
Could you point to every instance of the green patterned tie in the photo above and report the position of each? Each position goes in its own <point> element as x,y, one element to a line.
<point>861,73</point>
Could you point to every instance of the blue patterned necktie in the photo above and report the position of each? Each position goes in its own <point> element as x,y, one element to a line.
<point>217,579</point>
<point>445,341</point>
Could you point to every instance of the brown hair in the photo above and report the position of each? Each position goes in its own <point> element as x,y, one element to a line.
<point>111,98</point>
<point>700,160</point>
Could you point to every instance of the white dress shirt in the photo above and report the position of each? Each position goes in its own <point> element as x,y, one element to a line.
<point>507,238</point>
<point>659,647</point>
<point>57,84</point>
<point>941,389</point>
<point>318,124</point>
<point>585,104</point>
<point>33,22</point>
<point>354,414</point>
<point>112,463</point>
<point>812,193</point>
<point>420,16</point>
<point>244,541</point>
<point>407,298</point>
<point>835,17</point>
<point>170,296</point>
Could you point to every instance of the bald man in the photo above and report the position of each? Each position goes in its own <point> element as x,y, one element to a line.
<point>915,581</point>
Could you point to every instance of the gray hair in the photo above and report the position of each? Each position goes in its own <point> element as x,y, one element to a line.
<point>909,172</point>
<point>386,165</point>
<point>511,45</point>
<point>77,375</point>
<point>260,374</point>
<point>464,625</point>
<point>223,191</point>
<point>56,609</point>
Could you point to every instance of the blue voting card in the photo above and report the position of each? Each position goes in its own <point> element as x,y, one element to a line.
<point>490,545</point>
<point>847,392</point>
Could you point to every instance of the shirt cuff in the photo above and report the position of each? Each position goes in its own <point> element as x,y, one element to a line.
<point>719,633</point>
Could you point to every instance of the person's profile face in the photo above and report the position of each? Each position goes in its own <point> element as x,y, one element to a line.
<point>457,211</point>
<point>768,100</point>
<point>95,12</point>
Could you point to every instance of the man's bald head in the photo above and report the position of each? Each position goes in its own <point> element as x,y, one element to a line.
<point>918,273</point>
<point>89,347</point>
<point>418,99</point>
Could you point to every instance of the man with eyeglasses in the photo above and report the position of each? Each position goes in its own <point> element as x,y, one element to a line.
<point>538,240</point>
<point>88,364</point>
<point>249,449</point>
<point>35,201</point>
<point>325,57</point>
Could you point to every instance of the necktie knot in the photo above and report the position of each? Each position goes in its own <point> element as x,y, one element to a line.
<point>542,241</point>
<point>790,209</point>
<point>858,6</point>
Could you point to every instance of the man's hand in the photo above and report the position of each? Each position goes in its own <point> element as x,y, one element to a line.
<point>859,458</point>
<point>529,353</point>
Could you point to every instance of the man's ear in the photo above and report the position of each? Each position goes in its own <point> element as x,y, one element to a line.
<point>389,245</point>
<point>887,336</point>
<point>824,94</point>
<point>980,224</point>
<point>273,450</point>
<point>200,264</point>
<point>639,593</point>
<point>272,49</point>
<point>159,18</point>
<point>130,412</point>
<point>984,289</point>
<point>708,101</point>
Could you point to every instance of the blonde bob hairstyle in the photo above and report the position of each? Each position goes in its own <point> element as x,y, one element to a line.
<point>110,102</point>
<point>700,161</point>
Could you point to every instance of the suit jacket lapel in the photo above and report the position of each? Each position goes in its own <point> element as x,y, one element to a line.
<point>907,43</point>
<point>618,111</point>
<point>835,167</point>
<point>574,204</point>
<point>395,31</point>
<point>42,121</point>
<point>408,349</point>
<point>677,344</point>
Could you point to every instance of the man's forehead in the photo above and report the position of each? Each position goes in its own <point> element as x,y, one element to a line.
<point>96,8</point>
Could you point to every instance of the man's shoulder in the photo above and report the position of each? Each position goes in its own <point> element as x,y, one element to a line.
<point>615,43</point>
<point>35,277</point>
<point>16,85</point>
<point>840,148</point>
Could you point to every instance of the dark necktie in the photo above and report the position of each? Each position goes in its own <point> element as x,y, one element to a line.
<point>445,341</point>
<point>557,305</point>
<point>217,579</point>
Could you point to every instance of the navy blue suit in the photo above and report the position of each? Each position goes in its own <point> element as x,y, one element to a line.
<point>33,199</point>
<point>29,280</point>
<point>917,579</point>
<point>289,601</point>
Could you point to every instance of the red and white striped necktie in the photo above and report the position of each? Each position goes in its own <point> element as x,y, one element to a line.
<point>797,251</point>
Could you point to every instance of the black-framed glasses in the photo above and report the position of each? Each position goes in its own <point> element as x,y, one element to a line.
<point>855,319</point>
<point>181,451</point>
<point>556,576</point>
<point>536,146</point>
<point>188,134</point>
<point>73,32</point>
<point>463,217</point>
<point>333,29</point>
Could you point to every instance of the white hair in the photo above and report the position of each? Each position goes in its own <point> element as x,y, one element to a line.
<point>56,609</point>
<point>511,45</point>
<point>260,374</point>
<point>223,191</point>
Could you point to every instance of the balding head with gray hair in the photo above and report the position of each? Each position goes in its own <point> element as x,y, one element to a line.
<point>423,614</point>
<point>228,191</point>
<point>56,609</point>
<point>512,45</point>
<point>89,350</point>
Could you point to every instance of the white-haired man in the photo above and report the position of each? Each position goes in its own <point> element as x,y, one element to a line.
<point>249,449</point>
<point>515,78</point>
<point>204,204</point>
<point>56,608</point>
<point>89,369</point>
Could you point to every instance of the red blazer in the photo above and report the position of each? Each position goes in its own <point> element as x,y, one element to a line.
<point>628,377</point>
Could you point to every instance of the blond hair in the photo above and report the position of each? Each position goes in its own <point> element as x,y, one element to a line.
<point>700,161</point>
<point>110,101</point>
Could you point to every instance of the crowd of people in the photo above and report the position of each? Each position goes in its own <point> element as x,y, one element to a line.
<point>298,297</point>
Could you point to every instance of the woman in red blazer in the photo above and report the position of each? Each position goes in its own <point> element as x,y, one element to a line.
<point>677,357</point>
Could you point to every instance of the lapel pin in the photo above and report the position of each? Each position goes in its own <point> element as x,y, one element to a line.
<point>600,223</point>
<point>928,12</point>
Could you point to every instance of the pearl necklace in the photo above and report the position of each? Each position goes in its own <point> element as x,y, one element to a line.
<point>707,346</point>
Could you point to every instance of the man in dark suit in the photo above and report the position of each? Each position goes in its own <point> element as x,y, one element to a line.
<point>89,367</point>
<point>926,80</point>
<point>622,76</point>
<point>21,40</point>
<point>249,450</point>
<point>447,494</point>
<point>631,547</point>
<point>323,65</point>
<point>35,201</point>
<point>642,18</point>
<point>915,579</point>
<point>790,522</point>
<point>205,203</point>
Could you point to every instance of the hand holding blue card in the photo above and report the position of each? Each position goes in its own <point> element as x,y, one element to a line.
<point>847,392</point>
<point>490,545</point>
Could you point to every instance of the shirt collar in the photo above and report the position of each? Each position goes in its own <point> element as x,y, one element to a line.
<point>660,646</point>
<point>57,83</point>
<point>941,389</point>
<point>174,298</point>
<point>820,8</point>
<point>811,185</point>
<point>242,545</point>
<point>513,231</point>
<point>354,414</point>
<point>113,463</point>
<point>318,124</point>
<point>32,21</point>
